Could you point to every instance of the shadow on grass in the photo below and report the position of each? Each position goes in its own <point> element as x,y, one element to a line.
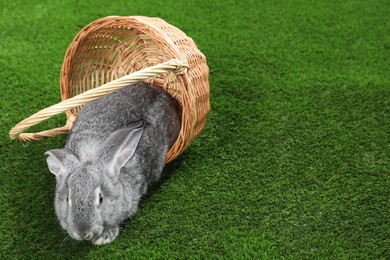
<point>167,173</point>
<point>169,169</point>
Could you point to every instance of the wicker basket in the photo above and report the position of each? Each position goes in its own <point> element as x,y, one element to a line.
<point>113,52</point>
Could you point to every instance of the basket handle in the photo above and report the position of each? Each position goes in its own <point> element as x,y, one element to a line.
<point>175,65</point>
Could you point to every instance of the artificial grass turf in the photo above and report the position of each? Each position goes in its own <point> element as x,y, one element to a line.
<point>293,162</point>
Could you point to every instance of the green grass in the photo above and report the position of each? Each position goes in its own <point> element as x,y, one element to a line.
<point>293,163</point>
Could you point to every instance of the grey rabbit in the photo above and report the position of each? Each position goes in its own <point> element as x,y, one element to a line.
<point>115,150</point>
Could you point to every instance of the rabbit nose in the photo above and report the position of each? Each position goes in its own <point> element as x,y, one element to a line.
<point>85,233</point>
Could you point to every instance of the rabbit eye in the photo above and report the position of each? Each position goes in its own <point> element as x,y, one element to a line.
<point>100,198</point>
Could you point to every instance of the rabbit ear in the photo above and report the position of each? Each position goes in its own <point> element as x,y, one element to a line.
<point>121,145</point>
<point>60,160</point>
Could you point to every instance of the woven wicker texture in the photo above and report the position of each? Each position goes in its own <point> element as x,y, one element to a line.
<point>113,52</point>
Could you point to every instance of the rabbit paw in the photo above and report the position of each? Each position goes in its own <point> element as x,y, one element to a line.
<point>107,236</point>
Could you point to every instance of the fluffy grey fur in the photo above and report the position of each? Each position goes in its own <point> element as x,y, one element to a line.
<point>115,150</point>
